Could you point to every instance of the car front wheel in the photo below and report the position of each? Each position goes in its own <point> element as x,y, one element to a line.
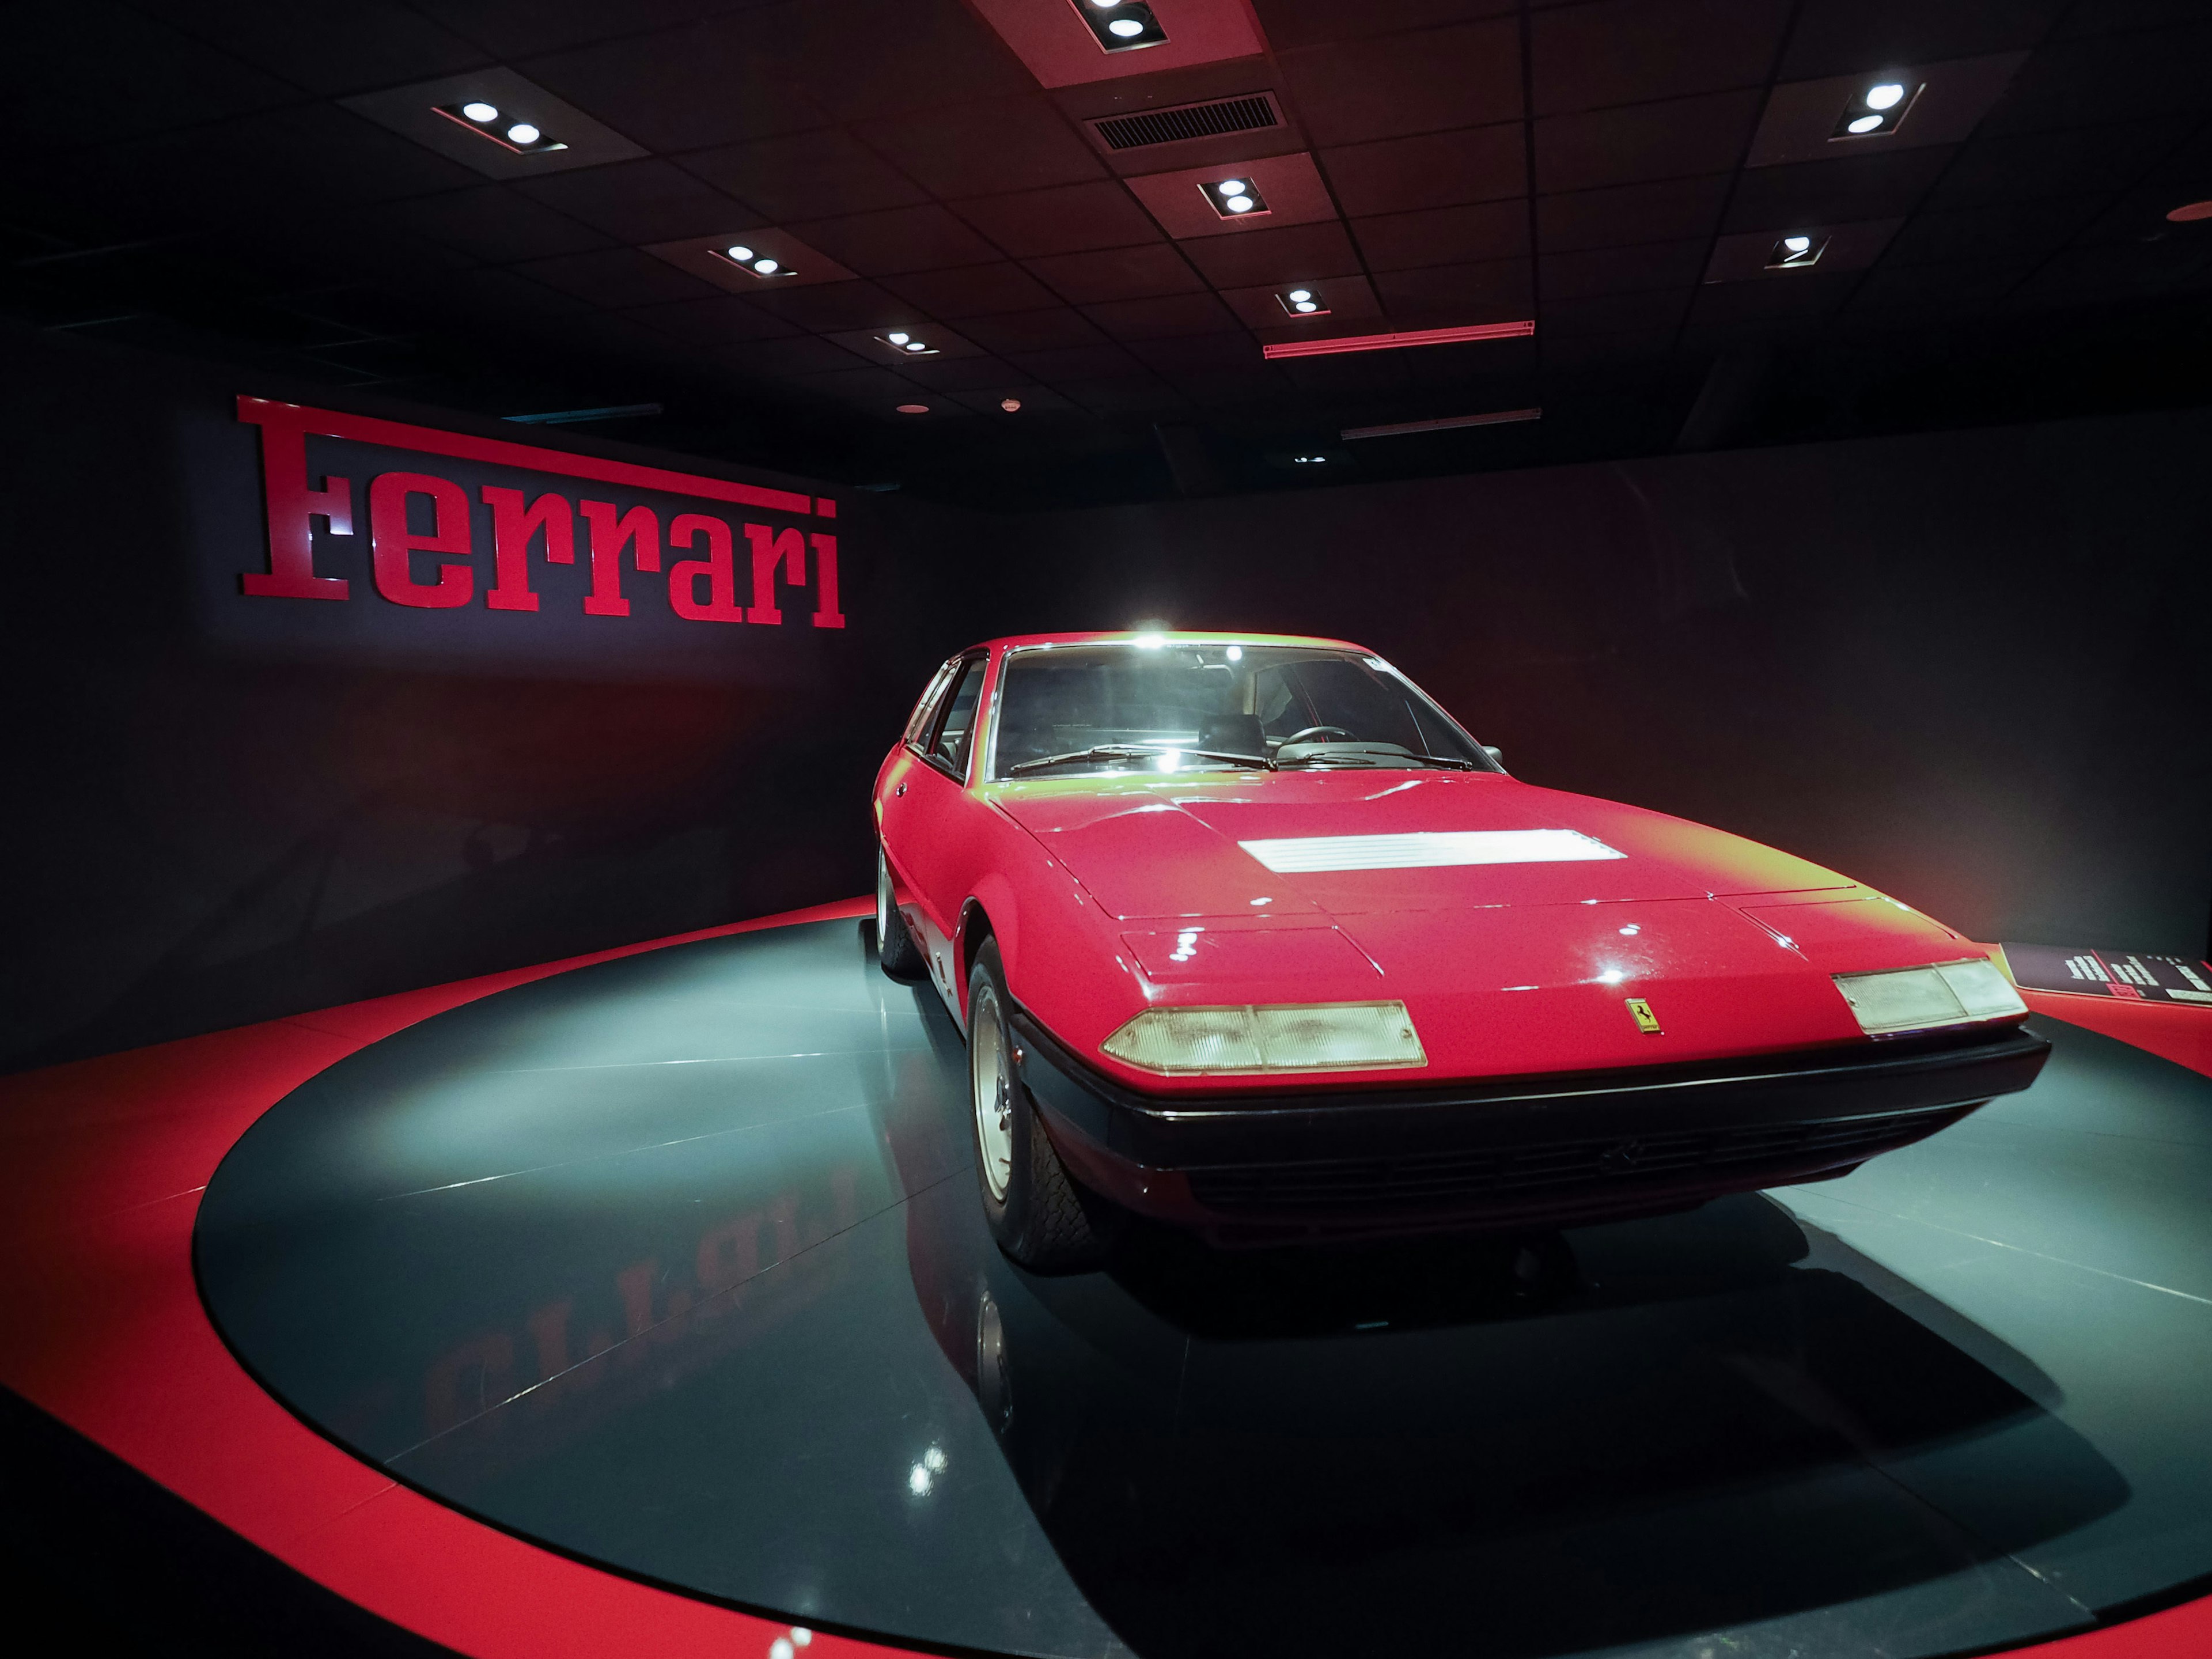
<point>1035,1211</point>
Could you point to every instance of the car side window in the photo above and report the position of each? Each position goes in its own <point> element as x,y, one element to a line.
<point>955,727</point>
<point>924,711</point>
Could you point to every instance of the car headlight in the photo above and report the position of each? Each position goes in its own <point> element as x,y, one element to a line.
<point>1313,1037</point>
<point>1921,998</point>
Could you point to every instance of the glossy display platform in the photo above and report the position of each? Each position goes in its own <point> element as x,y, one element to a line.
<point>673,1263</point>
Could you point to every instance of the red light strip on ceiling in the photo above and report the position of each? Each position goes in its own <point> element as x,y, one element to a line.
<point>1391,342</point>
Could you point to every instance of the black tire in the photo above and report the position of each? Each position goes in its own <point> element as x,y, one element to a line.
<point>896,951</point>
<point>1042,1218</point>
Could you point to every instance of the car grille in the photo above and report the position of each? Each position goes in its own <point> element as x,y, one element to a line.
<point>1594,1170</point>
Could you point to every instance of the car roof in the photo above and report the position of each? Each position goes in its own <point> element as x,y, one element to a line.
<point>1165,636</point>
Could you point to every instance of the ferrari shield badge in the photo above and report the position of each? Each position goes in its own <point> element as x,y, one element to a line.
<point>1646,1021</point>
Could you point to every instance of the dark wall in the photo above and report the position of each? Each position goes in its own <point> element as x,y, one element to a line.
<point>223,809</point>
<point>1968,668</point>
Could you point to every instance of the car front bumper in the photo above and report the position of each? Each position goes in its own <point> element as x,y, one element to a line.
<point>1512,1153</point>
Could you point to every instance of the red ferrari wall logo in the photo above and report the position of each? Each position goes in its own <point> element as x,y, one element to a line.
<point>428,533</point>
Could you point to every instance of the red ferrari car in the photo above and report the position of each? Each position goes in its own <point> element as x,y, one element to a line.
<point>1248,935</point>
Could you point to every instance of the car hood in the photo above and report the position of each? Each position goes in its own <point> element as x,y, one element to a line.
<point>1514,921</point>
<point>1282,842</point>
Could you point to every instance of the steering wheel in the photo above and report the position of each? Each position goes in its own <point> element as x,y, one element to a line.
<point>1314,731</point>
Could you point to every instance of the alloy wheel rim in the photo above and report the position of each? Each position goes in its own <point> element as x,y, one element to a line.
<point>882,900</point>
<point>993,1089</point>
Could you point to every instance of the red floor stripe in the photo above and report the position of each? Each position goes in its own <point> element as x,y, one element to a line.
<point>101,1166</point>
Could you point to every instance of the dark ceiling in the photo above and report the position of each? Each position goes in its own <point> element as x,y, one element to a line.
<point>213,177</point>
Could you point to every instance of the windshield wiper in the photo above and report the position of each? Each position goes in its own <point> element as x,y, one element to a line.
<point>1372,758</point>
<point>1133,751</point>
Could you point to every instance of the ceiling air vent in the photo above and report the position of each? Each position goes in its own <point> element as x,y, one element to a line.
<point>1251,113</point>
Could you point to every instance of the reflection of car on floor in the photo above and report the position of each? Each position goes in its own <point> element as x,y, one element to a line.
<point>1248,935</point>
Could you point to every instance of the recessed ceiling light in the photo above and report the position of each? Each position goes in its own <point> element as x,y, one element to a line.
<point>1122,25</point>
<point>2190,212</point>
<point>1796,253</point>
<point>1879,109</point>
<point>904,344</point>
<point>914,408</point>
<point>1307,306</point>
<point>1300,296</point>
<point>1011,405</point>
<point>1302,302</point>
<point>915,345</point>
<point>749,259</point>
<point>521,137</point>
<point>1234,199</point>
<point>897,339</point>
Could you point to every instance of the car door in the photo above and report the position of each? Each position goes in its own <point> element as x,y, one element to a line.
<point>926,821</point>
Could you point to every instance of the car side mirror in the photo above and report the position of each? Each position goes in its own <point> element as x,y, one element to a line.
<point>1496,754</point>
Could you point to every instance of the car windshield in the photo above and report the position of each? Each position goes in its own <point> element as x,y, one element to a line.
<point>1065,710</point>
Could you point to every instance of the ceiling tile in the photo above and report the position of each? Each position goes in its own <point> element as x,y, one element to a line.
<point>1799,122</point>
<point>1885,186</point>
<point>648,201</point>
<point>1646,312</point>
<point>983,150</point>
<point>1644,141</point>
<point>1125,273</point>
<point>1474,164</point>
<point>1065,220</point>
<point>833,306</point>
<point>1157,319</point>
<point>1842,37</point>
<point>971,290</point>
<point>1135,394</point>
<point>1192,353</point>
<point>717,320</point>
<point>806,175</point>
<point>2071,162</point>
<point>150,78</point>
<point>1464,76</point>
<point>1629,52</point>
<point>1594,271</point>
<point>703,84</point>
<point>1293,23</point>
<point>1074,363</point>
<point>1443,236</point>
<point>877,390</point>
<point>960,373</point>
<point>1057,328</point>
<point>1748,257</point>
<point>615,276</point>
<point>1348,299</point>
<point>1496,290</point>
<point>1273,256</point>
<point>862,59</point>
<point>895,240</point>
<point>1793,299</point>
<point>2111,78</point>
<point>494,223</point>
<point>513,27</point>
<point>802,354</point>
<point>1289,185</point>
<point>1673,209</point>
<point>327,49</point>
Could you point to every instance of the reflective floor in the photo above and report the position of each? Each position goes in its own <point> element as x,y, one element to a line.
<point>675,1262</point>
